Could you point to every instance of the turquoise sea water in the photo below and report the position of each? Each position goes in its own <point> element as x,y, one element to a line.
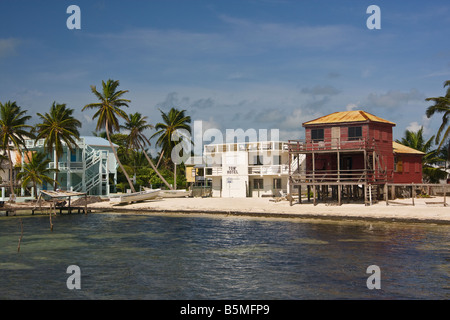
<point>217,257</point>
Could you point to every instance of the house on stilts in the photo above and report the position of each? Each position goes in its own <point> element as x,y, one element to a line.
<point>349,155</point>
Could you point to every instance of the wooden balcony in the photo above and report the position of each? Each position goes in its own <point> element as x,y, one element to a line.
<point>308,146</point>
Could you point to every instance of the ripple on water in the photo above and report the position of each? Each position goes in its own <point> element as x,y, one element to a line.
<point>160,257</point>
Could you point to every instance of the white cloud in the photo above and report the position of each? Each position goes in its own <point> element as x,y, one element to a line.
<point>321,90</point>
<point>351,106</point>
<point>415,126</point>
<point>394,98</point>
<point>8,47</point>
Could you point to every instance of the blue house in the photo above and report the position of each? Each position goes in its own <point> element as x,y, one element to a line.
<point>88,168</point>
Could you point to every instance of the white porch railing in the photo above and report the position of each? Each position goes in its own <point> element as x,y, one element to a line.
<point>213,171</point>
<point>268,170</point>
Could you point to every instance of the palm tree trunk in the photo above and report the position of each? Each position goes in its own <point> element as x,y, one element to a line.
<point>34,190</point>
<point>117,158</point>
<point>56,171</point>
<point>175,175</point>
<point>10,174</point>
<point>156,170</point>
<point>160,157</point>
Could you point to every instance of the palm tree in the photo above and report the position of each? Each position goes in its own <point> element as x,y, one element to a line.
<point>416,141</point>
<point>172,121</point>
<point>108,109</point>
<point>136,125</point>
<point>58,127</point>
<point>13,131</point>
<point>36,170</point>
<point>441,105</point>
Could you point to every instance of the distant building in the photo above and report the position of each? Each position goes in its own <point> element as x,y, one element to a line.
<point>88,168</point>
<point>195,171</point>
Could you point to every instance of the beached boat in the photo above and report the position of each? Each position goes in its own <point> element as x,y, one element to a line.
<point>136,196</point>
<point>172,193</point>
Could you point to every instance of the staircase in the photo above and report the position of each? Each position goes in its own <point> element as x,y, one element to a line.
<point>375,165</point>
<point>371,194</point>
<point>95,170</point>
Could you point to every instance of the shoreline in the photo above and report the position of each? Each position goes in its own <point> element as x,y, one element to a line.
<point>266,207</point>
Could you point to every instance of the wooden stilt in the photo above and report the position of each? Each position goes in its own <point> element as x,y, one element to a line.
<point>314,195</point>
<point>445,196</point>
<point>339,195</point>
<point>85,204</point>
<point>386,194</point>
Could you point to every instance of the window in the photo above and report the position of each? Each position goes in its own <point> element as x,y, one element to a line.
<point>406,167</point>
<point>276,160</point>
<point>258,160</point>
<point>277,183</point>
<point>317,134</point>
<point>398,164</point>
<point>258,184</point>
<point>354,133</point>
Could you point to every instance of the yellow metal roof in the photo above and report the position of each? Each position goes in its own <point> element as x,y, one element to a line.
<point>400,148</point>
<point>348,116</point>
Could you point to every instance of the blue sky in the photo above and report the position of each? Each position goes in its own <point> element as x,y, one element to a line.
<point>232,64</point>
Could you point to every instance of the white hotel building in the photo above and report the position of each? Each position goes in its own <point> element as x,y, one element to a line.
<point>250,169</point>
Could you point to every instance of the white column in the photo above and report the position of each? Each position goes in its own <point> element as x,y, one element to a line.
<point>69,172</point>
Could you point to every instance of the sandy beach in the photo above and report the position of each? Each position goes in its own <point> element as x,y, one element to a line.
<point>424,210</point>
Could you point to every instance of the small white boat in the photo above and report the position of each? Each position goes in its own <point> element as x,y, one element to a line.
<point>136,196</point>
<point>172,193</point>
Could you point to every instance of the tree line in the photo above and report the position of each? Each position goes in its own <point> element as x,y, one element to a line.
<point>434,156</point>
<point>58,127</point>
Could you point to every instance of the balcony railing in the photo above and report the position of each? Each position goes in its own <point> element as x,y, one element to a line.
<point>252,170</point>
<point>246,146</point>
<point>268,170</point>
<point>338,176</point>
<point>67,165</point>
<point>213,171</point>
<point>329,144</point>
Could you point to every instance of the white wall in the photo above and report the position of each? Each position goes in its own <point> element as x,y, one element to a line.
<point>234,174</point>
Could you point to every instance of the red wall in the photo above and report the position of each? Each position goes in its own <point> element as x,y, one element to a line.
<point>381,134</point>
<point>378,133</point>
<point>412,169</point>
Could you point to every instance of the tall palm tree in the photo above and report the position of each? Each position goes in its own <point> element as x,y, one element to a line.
<point>416,141</point>
<point>36,170</point>
<point>172,121</point>
<point>58,127</point>
<point>14,130</point>
<point>136,125</point>
<point>441,105</point>
<point>108,111</point>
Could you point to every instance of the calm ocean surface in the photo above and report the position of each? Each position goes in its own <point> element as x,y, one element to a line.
<point>216,257</point>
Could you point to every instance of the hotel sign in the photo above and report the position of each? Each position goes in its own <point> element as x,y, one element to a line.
<point>232,170</point>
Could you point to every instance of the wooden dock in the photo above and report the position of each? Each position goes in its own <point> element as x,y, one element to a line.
<point>54,202</point>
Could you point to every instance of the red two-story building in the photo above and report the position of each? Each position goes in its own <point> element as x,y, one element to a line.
<point>353,148</point>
